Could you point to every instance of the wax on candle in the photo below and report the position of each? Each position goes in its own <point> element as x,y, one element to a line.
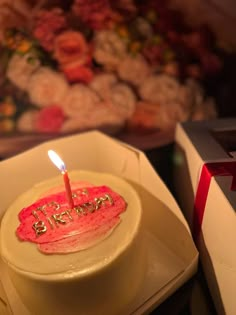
<point>55,158</point>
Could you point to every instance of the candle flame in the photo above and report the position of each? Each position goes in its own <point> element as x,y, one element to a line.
<point>55,158</point>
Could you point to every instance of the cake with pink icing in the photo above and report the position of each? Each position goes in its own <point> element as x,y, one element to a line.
<point>86,260</point>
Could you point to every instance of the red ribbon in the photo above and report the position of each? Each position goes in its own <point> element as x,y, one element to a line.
<point>208,171</point>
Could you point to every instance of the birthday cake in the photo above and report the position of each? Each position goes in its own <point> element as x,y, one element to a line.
<point>86,260</point>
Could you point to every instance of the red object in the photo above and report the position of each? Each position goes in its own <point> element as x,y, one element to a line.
<point>48,24</point>
<point>72,47</point>
<point>209,170</point>
<point>50,119</point>
<point>57,229</point>
<point>78,73</point>
<point>68,189</point>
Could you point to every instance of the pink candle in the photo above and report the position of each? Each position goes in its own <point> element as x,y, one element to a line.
<point>61,166</point>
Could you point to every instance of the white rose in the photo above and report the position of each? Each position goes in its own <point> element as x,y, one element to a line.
<point>79,101</point>
<point>101,117</point>
<point>170,114</point>
<point>123,99</point>
<point>119,95</point>
<point>109,49</point>
<point>47,87</point>
<point>74,124</point>
<point>26,122</point>
<point>102,84</point>
<point>134,70</point>
<point>196,90</point>
<point>186,98</point>
<point>105,116</point>
<point>160,89</point>
<point>20,68</point>
<point>205,110</point>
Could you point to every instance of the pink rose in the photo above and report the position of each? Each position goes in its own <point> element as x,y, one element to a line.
<point>71,46</point>
<point>47,25</point>
<point>96,14</point>
<point>50,119</point>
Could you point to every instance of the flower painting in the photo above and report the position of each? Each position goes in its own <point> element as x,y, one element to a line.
<point>113,65</point>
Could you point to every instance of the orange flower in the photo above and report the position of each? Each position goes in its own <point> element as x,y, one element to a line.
<point>24,46</point>
<point>6,125</point>
<point>71,46</point>
<point>7,108</point>
<point>17,42</point>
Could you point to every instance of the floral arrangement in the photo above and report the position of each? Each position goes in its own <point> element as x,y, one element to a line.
<point>84,64</point>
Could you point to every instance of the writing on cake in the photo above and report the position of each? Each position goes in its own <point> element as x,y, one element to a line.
<point>55,228</point>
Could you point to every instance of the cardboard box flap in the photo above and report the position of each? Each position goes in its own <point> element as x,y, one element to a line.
<point>94,151</point>
<point>4,305</point>
<point>199,144</point>
<point>208,136</point>
<point>171,248</point>
<point>156,186</point>
<point>90,150</point>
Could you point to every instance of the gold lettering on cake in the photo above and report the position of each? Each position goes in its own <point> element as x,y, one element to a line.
<point>54,204</point>
<point>69,215</point>
<point>89,206</point>
<point>83,191</point>
<point>35,214</point>
<point>41,208</point>
<point>58,218</point>
<point>86,207</point>
<point>101,200</point>
<point>40,228</point>
<point>80,210</point>
<point>109,198</point>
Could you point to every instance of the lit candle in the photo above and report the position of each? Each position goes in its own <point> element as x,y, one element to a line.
<point>55,158</point>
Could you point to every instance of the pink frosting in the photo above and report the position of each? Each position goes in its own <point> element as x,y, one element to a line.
<point>58,229</point>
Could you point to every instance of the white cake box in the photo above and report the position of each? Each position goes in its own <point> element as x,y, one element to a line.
<point>207,146</point>
<point>172,256</point>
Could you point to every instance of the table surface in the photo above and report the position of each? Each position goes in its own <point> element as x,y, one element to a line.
<point>16,143</point>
